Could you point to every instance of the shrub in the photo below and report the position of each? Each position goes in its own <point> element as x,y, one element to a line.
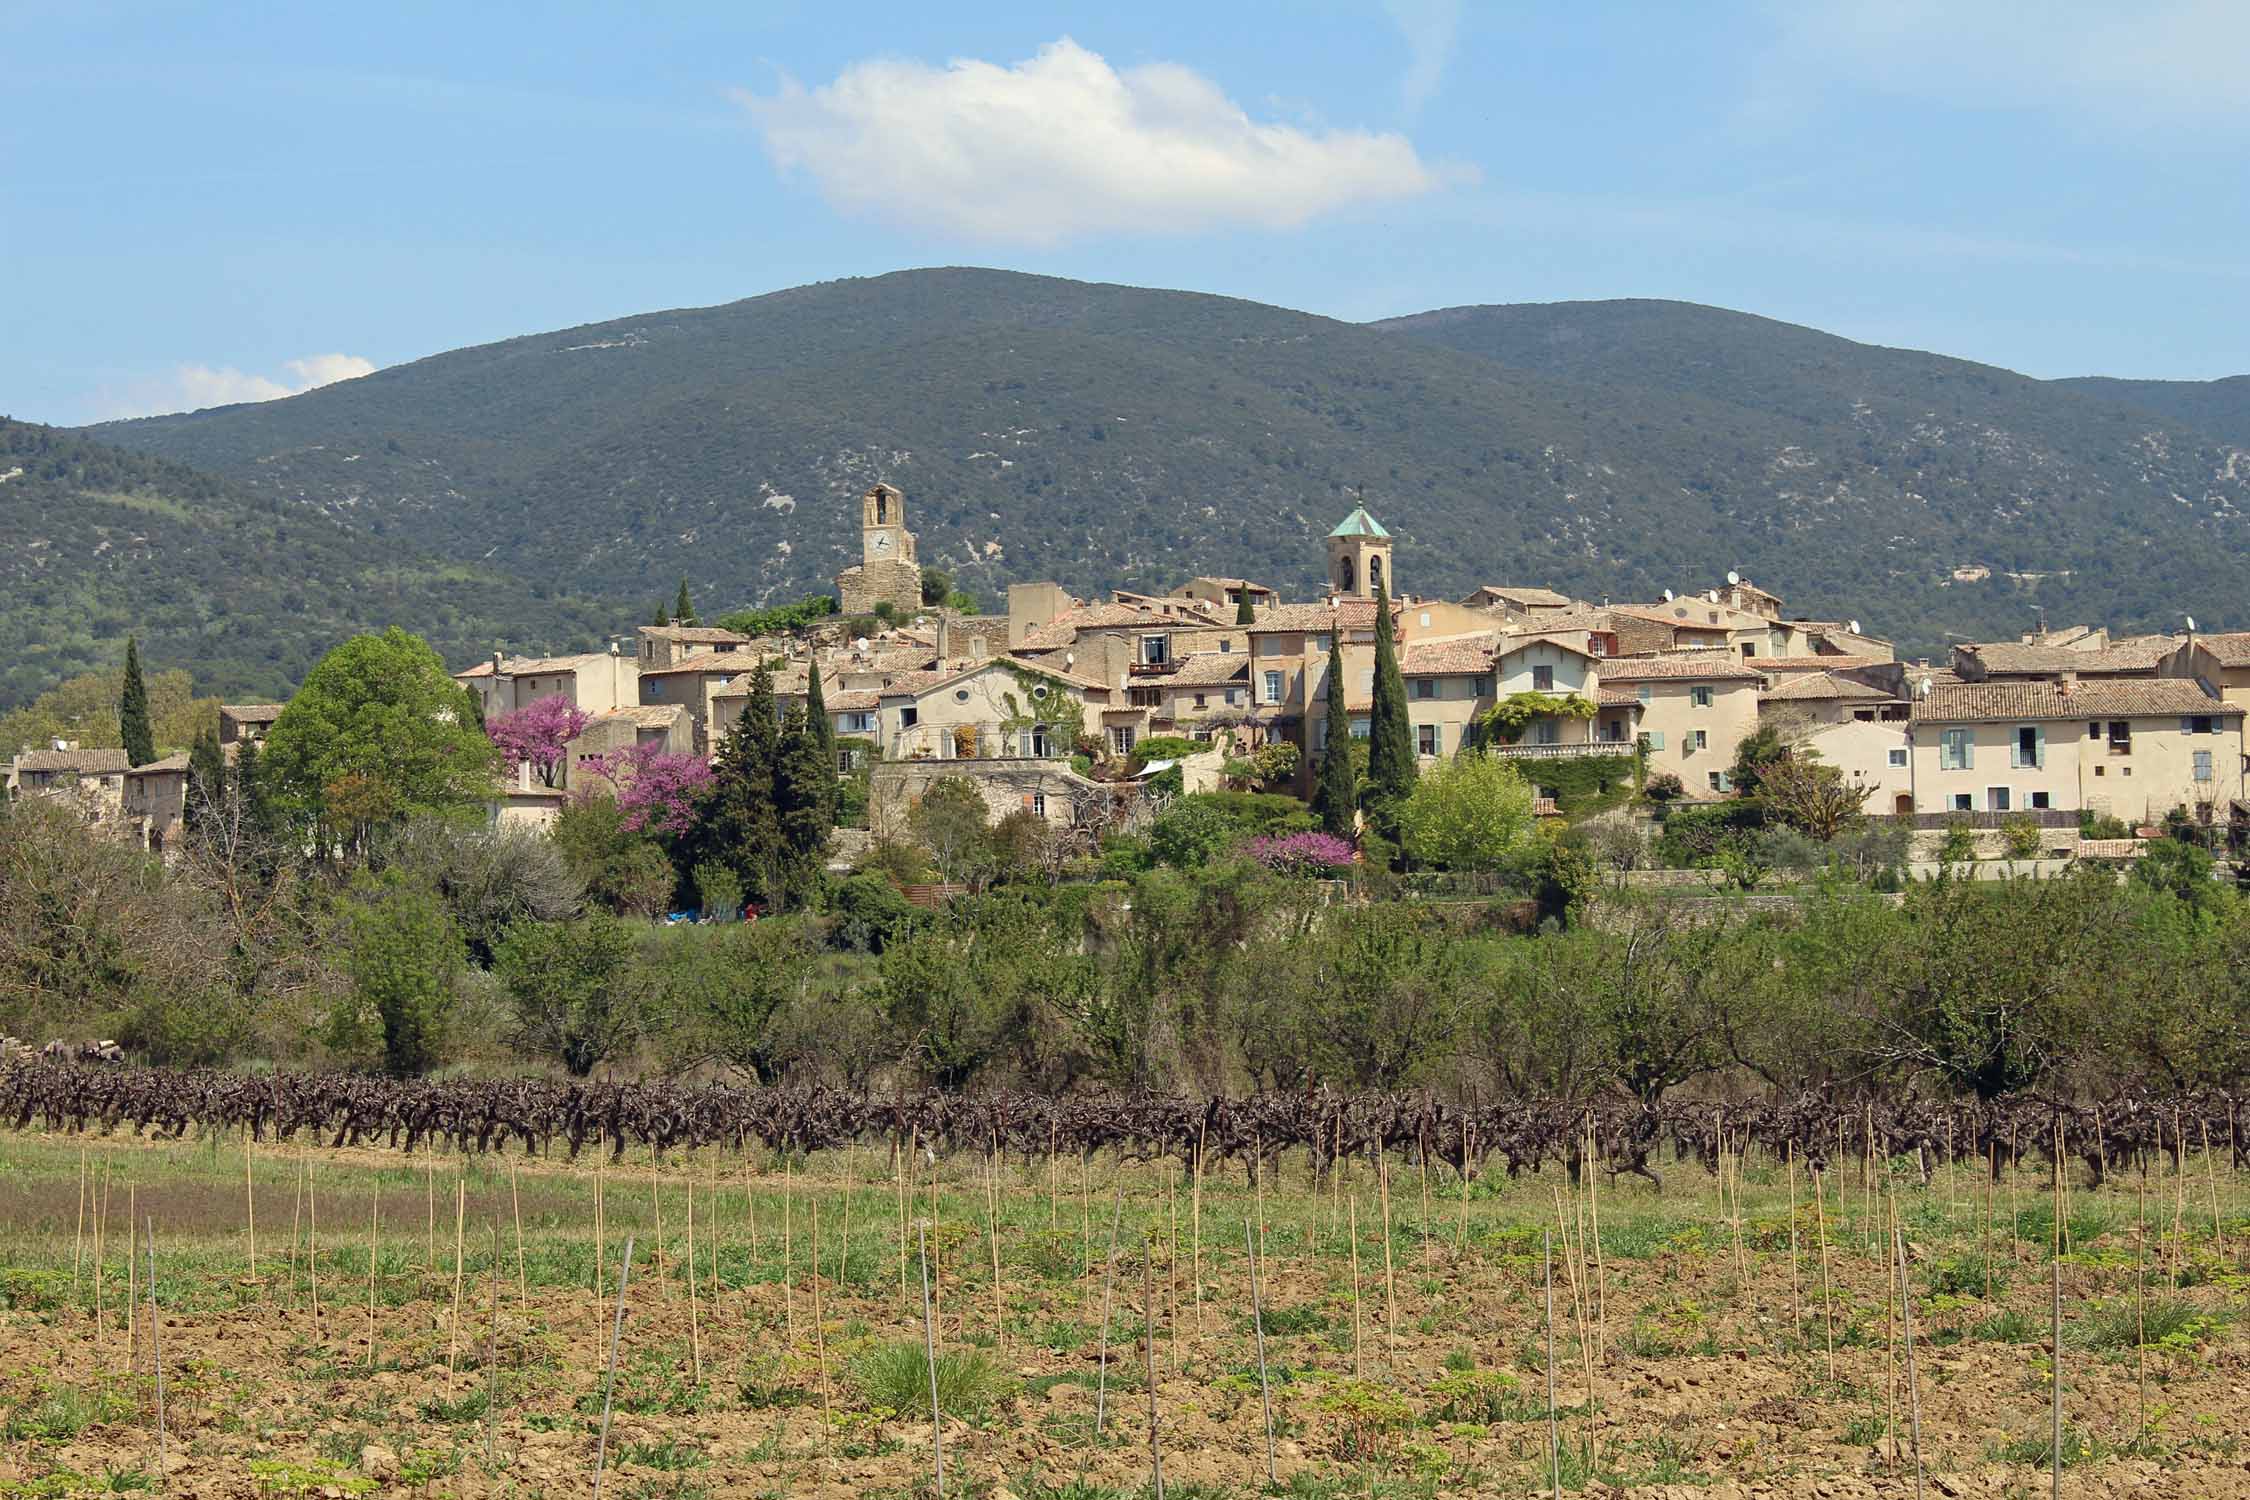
<point>897,1376</point>
<point>2021,838</point>
<point>1959,846</point>
<point>870,913</point>
<point>1301,853</point>
<point>1663,786</point>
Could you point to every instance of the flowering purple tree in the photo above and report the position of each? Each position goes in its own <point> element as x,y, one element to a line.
<point>1301,853</point>
<point>537,733</point>
<point>657,789</point>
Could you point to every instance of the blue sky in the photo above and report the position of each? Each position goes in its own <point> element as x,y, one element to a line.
<point>202,203</point>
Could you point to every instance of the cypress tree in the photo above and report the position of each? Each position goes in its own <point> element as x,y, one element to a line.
<point>207,792</point>
<point>1334,795</point>
<point>804,796</point>
<point>739,828</point>
<point>133,728</point>
<point>660,617</point>
<point>1243,613</point>
<point>682,610</point>
<point>1390,745</point>
<point>823,732</point>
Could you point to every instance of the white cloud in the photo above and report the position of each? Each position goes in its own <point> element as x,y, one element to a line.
<point>192,387</point>
<point>1430,28</point>
<point>2159,61</point>
<point>1064,145</point>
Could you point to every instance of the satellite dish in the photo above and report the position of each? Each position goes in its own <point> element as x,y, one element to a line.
<point>1713,596</point>
<point>1733,577</point>
<point>1853,626</point>
<point>1667,596</point>
<point>2191,623</point>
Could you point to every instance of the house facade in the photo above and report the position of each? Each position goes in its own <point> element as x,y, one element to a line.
<point>1695,709</point>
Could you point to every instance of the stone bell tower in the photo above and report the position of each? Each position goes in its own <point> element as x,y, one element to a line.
<point>888,571</point>
<point>1359,557</point>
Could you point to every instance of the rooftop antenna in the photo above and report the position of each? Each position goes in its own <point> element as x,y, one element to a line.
<point>1733,577</point>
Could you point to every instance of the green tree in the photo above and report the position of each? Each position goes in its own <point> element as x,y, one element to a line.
<point>1390,741</point>
<point>1244,614</point>
<point>405,958</point>
<point>739,825</point>
<point>823,726</point>
<point>1810,796</point>
<point>375,735</point>
<point>134,731</point>
<point>683,609</point>
<point>949,822</point>
<point>1470,813</point>
<point>804,796</point>
<point>937,585</point>
<point>1753,754</point>
<point>1336,794</point>
<point>660,617</point>
<point>623,870</point>
<point>574,989</point>
<point>2180,869</point>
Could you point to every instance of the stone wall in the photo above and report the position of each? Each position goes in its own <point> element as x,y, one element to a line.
<point>897,582</point>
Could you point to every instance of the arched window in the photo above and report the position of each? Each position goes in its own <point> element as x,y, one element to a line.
<point>1375,572</point>
<point>882,508</point>
<point>1344,575</point>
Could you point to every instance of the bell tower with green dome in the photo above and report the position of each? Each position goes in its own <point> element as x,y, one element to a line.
<point>1359,557</point>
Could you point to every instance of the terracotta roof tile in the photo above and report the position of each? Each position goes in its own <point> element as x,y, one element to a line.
<point>83,762</point>
<point>1713,665</point>
<point>2016,659</point>
<point>1466,656</point>
<point>168,765</point>
<point>1208,669</point>
<point>710,661</point>
<point>260,713</point>
<point>646,716</point>
<point>2231,649</point>
<point>693,634</point>
<point>1977,702</point>
<point>1806,687</point>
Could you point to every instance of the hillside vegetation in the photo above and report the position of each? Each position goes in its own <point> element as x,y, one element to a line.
<point>1112,436</point>
<point>243,590</point>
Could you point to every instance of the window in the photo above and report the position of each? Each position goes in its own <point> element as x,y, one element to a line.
<point>1546,731</point>
<point>909,716</point>
<point>1121,739</point>
<point>1426,739</point>
<point>1897,759</point>
<point>1700,696</point>
<point>1956,752</point>
<point>1749,650</point>
<point>2029,751</point>
<point>656,687</point>
<point>1199,700</point>
<point>1654,739</point>
<point>2037,800</point>
<point>2094,729</point>
<point>1597,646</point>
<point>2202,765</point>
<point>2121,737</point>
<point>960,695</point>
<point>1360,729</point>
<point>1964,802</point>
<point>1039,804</point>
<point>1719,782</point>
<point>1273,687</point>
<point>1542,679</point>
<point>1996,798</point>
<point>1230,697</point>
<point>1035,742</point>
<point>857,723</point>
<point>1698,740</point>
<point>1367,682</point>
<point>1226,645</point>
<point>1322,643</point>
<point>2195,724</point>
<point>1425,687</point>
<point>1155,649</point>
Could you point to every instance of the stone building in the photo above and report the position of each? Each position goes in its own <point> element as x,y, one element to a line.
<point>888,572</point>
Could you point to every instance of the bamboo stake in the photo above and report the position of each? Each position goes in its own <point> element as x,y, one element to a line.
<point>1195,1230</point>
<point>523,1282</point>
<point>601,1234</point>
<point>1578,1311</point>
<point>1422,1150</point>
<point>1796,1296</point>
<point>656,1263</point>
<point>1890,1369</point>
<point>460,1257</point>
<point>312,1237</point>
<point>711,1231</point>
<point>992,1238</point>
<point>1827,1303</point>
<point>937,1255</point>
<point>1109,1279</point>
<point>1390,1276</point>
<point>2211,1175</point>
<point>1258,1327</point>
<point>1988,1194</point>
<point>820,1338</point>
<point>1148,1361</point>
<point>1554,1428</point>
<point>1461,1224</point>
<point>1601,1267</point>
<point>2055,1355</point>
<point>132,1278</point>
<point>789,1259</point>
<point>249,1207</point>
<point>78,1240</point>
<point>1172,1259</point>
<point>101,1215</point>
<point>156,1349</point>
<point>694,1315</point>
<point>429,1263</point>
<point>492,1349</point>
<point>1913,1385</point>
<point>374,1216</point>
<point>2140,1310</point>
<point>296,1226</point>
<point>609,1382</point>
<point>1355,1283</point>
<point>929,1351</point>
<point>898,1174</point>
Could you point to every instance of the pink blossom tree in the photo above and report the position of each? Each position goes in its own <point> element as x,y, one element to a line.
<point>537,733</point>
<point>657,789</point>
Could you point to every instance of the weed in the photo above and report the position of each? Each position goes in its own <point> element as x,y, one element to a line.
<point>273,1476</point>
<point>2038,1449</point>
<point>1288,1322</point>
<point>2173,1323</point>
<point>668,1454</point>
<point>898,1376</point>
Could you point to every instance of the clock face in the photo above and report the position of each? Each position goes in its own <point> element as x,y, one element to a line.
<point>881,542</point>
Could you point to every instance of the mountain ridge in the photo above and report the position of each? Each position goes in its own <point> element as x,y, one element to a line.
<point>1115,436</point>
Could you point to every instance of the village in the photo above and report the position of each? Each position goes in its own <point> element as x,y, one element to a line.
<point>1044,707</point>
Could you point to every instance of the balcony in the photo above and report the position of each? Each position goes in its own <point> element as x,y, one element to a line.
<point>1578,751</point>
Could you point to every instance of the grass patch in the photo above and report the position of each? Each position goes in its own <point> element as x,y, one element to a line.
<point>897,1376</point>
<point>2163,1323</point>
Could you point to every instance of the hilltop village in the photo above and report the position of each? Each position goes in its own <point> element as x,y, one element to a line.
<point>1050,707</point>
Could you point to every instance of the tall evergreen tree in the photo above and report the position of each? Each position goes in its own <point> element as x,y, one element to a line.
<point>660,617</point>
<point>1243,613</point>
<point>804,803</point>
<point>134,731</point>
<point>683,611</point>
<point>823,729</point>
<point>1390,742</point>
<point>739,827</point>
<point>1334,796</point>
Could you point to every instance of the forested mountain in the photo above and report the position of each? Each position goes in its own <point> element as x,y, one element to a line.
<point>2219,407</point>
<point>1113,436</point>
<point>244,591</point>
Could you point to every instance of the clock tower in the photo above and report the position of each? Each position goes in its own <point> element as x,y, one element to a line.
<point>888,572</point>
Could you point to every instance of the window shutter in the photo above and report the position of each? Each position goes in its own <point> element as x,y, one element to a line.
<point>1027,801</point>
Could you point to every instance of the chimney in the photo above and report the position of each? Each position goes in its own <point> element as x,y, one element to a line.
<point>944,636</point>
<point>499,664</point>
<point>2069,682</point>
